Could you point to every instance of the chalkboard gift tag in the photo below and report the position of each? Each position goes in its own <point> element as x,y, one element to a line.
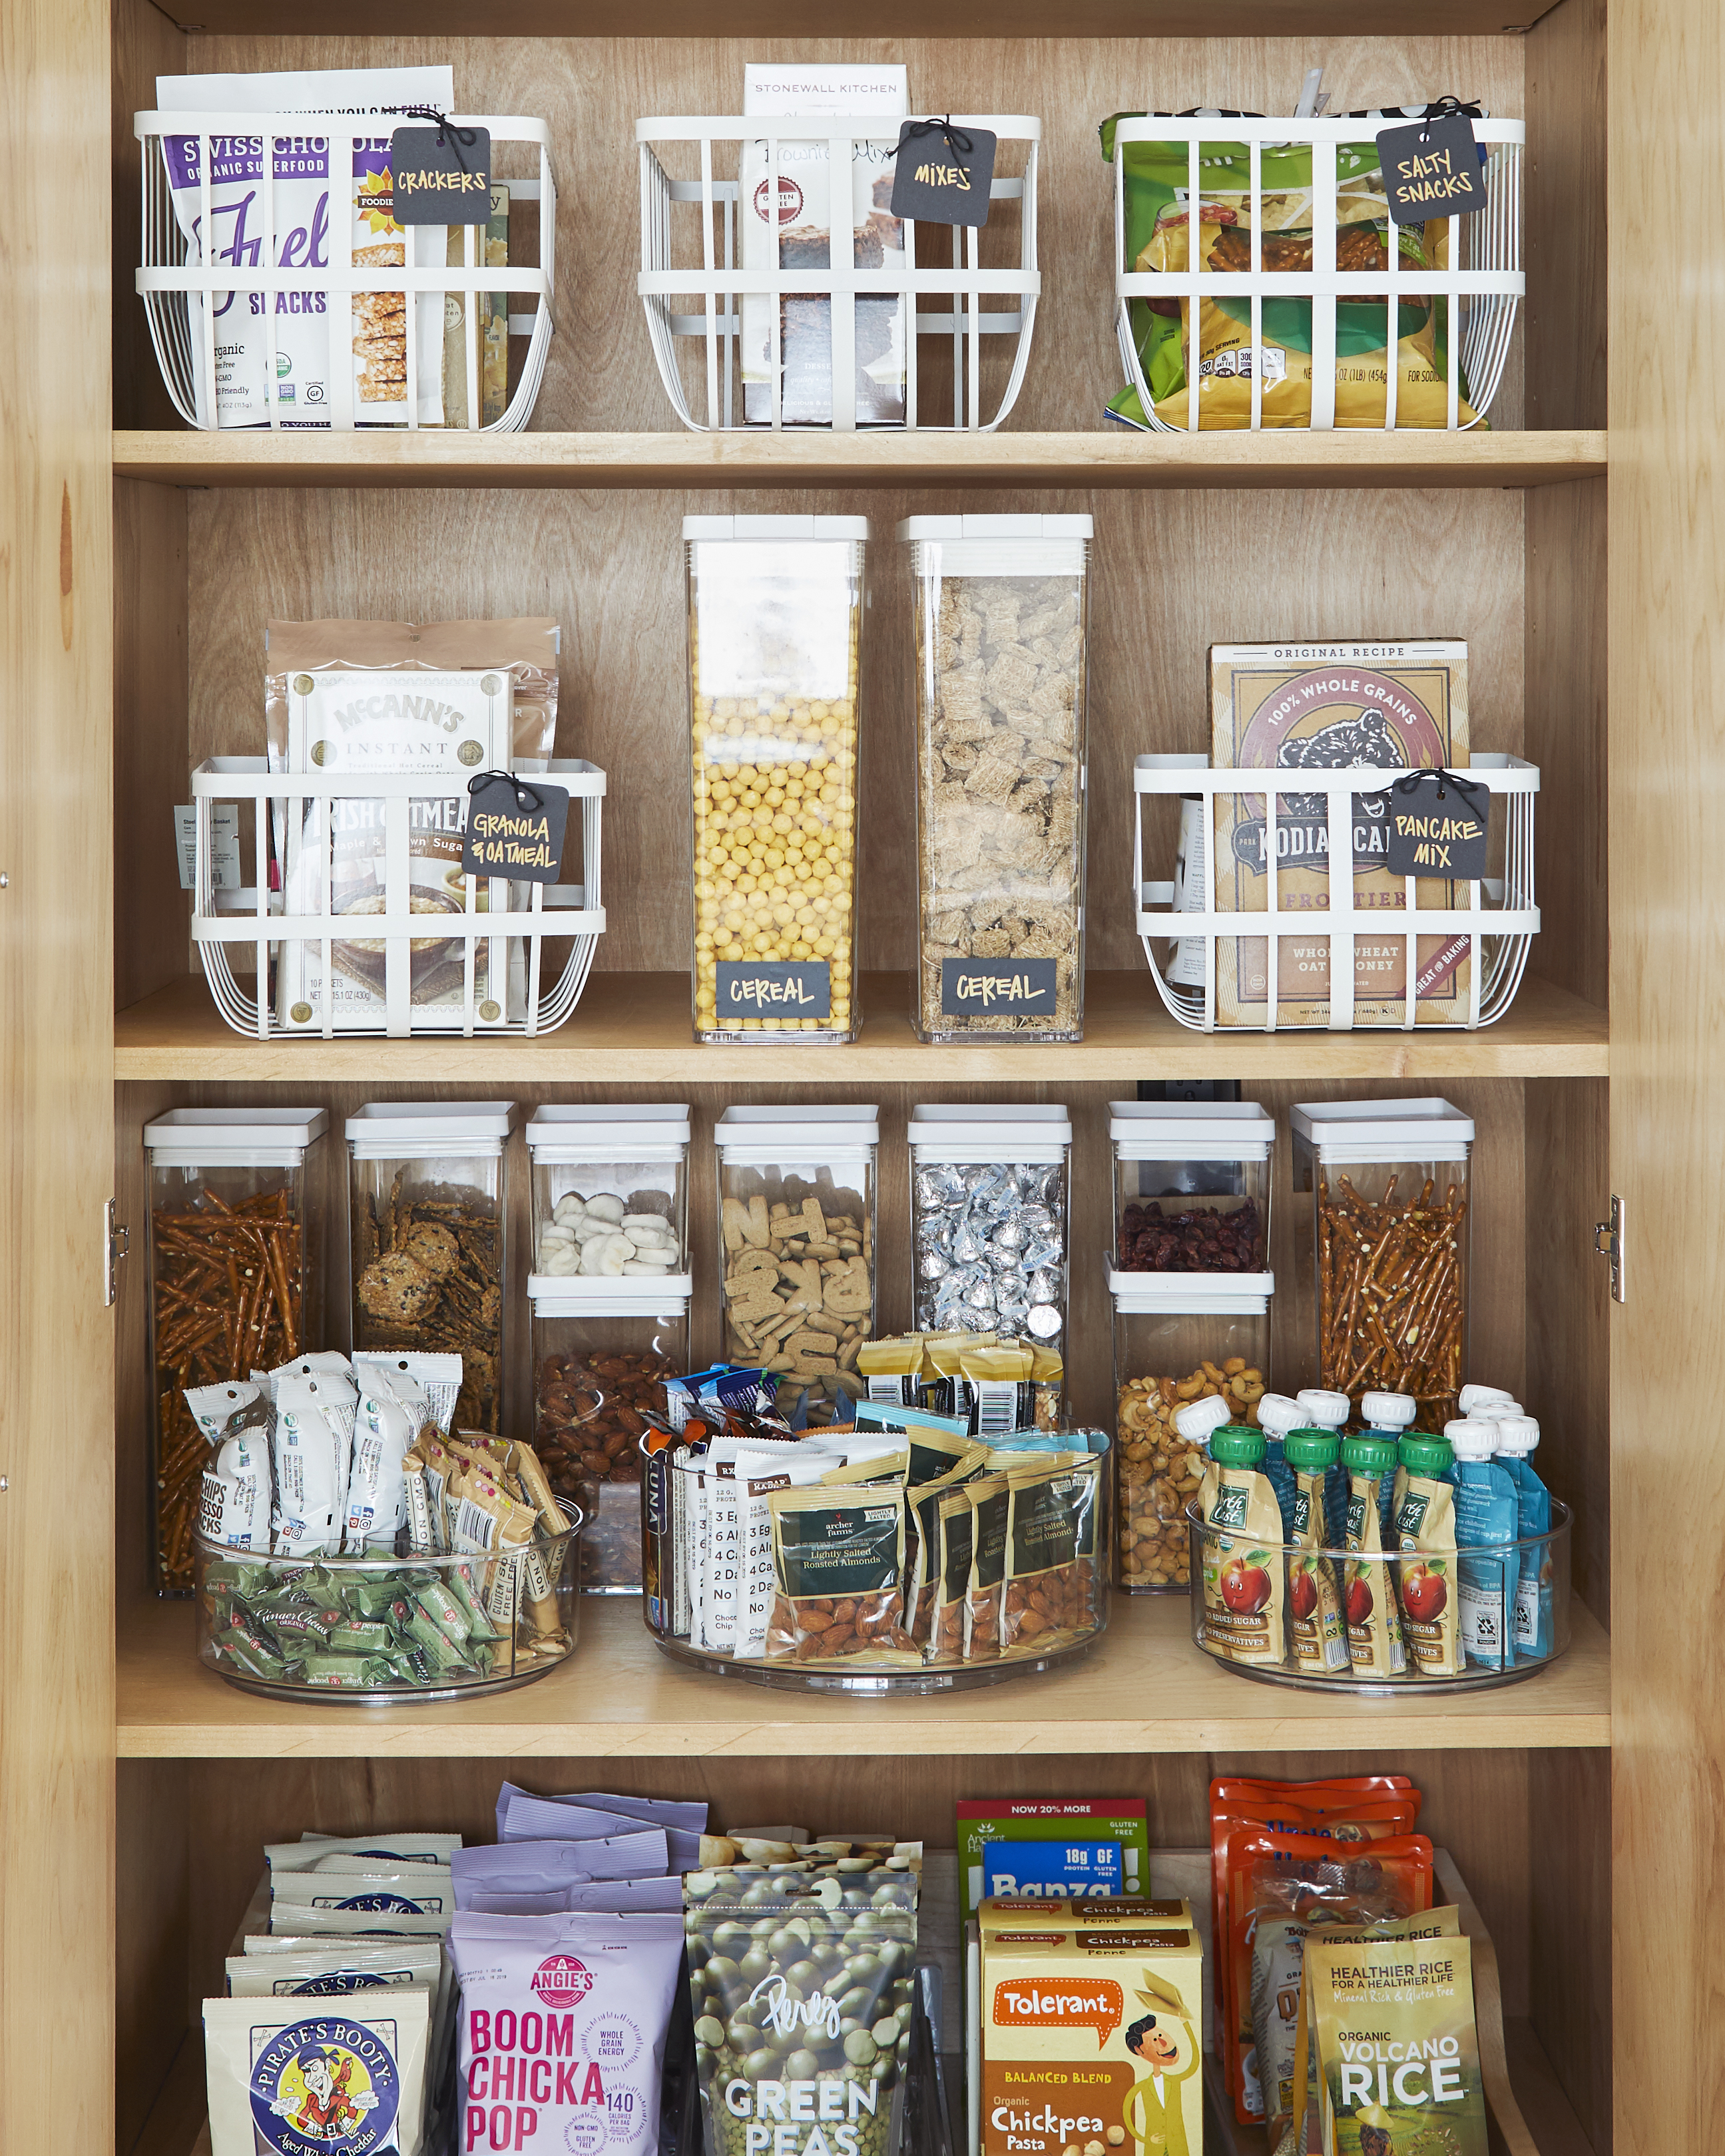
<point>514,829</point>
<point>441,174</point>
<point>943,172</point>
<point>1436,825</point>
<point>1433,168</point>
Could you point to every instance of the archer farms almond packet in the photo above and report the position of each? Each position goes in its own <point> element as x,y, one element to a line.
<point>1294,707</point>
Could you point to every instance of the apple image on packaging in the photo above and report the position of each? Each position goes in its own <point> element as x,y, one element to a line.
<point>1246,1585</point>
<point>1302,1592</point>
<point>1359,1601</point>
<point>1425,1594</point>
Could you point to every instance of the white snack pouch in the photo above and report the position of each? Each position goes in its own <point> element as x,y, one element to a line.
<point>312,1445</point>
<point>426,1890</point>
<point>287,2077</point>
<point>234,1505</point>
<point>438,1377</point>
<point>334,1971</point>
<point>303,1922</point>
<point>384,1851</point>
<point>391,1412</point>
<point>760,1470</point>
<point>318,210</point>
<point>328,1362</point>
<point>572,2013</point>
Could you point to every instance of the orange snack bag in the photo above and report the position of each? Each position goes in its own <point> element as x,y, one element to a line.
<point>1357,1877</point>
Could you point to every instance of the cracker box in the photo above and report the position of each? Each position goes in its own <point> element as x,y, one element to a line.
<point>1091,2032</point>
<point>1311,706</point>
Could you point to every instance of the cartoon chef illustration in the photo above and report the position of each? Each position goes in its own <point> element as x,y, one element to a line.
<point>327,2111</point>
<point>1161,2041</point>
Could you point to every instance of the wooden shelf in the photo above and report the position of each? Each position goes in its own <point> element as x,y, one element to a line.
<point>1146,1688</point>
<point>632,1029</point>
<point>1118,459</point>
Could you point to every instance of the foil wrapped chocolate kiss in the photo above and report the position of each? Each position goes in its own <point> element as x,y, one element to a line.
<point>990,1248</point>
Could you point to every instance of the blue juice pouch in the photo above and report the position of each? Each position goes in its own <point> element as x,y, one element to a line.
<point>1487,1563</point>
<point>1277,1414</point>
<point>1332,1411</point>
<point>1517,1436</point>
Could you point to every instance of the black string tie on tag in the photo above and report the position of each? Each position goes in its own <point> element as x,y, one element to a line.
<point>447,131</point>
<point>525,797</point>
<point>1446,108</point>
<point>958,142</point>
<point>1410,784</point>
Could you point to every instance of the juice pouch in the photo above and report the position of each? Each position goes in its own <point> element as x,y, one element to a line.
<point>1425,1535</point>
<point>1278,1976</point>
<point>1380,1871</point>
<point>1243,1586</point>
<point>1375,1646</point>
<point>1317,1630</point>
<point>1517,1437</point>
<point>1389,2030</point>
<point>1487,1565</point>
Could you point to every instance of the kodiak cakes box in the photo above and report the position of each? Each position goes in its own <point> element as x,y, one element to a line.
<point>1325,707</point>
<point>1092,2031</point>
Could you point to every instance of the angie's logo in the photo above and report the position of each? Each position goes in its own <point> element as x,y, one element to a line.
<point>787,2013</point>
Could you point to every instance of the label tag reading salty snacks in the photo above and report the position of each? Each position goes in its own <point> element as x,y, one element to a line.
<point>1432,169</point>
<point>944,172</point>
<point>985,987</point>
<point>803,989</point>
<point>443,174</point>
<point>515,827</point>
<point>1435,824</point>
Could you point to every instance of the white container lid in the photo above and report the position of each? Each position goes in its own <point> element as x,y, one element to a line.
<point>1492,1411</point>
<point>1471,1397</point>
<point>1470,1440</point>
<point>1183,1130</point>
<point>775,527</point>
<point>987,525</point>
<point>1354,1131</point>
<point>1517,1435</point>
<point>551,1296</point>
<point>233,1137</point>
<point>1388,1411</point>
<point>1199,1420</point>
<point>1324,1410</point>
<point>429,1130</point>
<point>1191,1295</point>
<point>1277,1414</point>
<point>982,1132</point>
<point>602,1130</point>
<point>762,1137</point>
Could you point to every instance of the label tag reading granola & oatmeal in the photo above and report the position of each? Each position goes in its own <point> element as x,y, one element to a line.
<point>944,172</point>
<point>515,827</point>
<point>442,174</point>
<point>1019,988</point>
<point>774,989</point>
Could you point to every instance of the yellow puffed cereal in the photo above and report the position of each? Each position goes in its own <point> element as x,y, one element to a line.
<point>774,793</point>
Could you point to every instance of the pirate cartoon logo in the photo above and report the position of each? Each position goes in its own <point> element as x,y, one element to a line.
<point>1164,2045</point>
<point>325,2086</point>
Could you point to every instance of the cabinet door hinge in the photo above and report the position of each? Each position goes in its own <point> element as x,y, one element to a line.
<point>1608,1241</point>
<point>116,1241</point>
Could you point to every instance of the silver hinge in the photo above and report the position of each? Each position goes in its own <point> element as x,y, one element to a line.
<point>116,1241</point>
<point>1608,1241</point>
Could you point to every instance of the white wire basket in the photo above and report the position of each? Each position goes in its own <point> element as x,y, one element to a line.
<point>698,259</point>
<point>500,933</point>
<point>277,374</point>
<point>1493,930</point>
<point>1477,291</point>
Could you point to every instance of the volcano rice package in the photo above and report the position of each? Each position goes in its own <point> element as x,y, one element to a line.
<point>1331,706</point>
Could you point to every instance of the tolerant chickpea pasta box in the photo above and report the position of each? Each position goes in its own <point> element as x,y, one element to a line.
<point>1092,2033</point>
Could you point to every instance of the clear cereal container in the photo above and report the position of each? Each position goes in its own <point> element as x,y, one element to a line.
<point>610,1191</point>
<point>425,1219</point>
<point>796,1248</point>
<point>989,1217</point>
<point>602,1350</point>
<point>1176,1339</point>
<point>236,1283</point>
<point>1191,1186</point>
<point>1382,1198</point>
<point>1002,625</point>
<point>775,615</point>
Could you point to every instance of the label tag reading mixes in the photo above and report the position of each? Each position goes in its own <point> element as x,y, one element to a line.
<point>943,172</point>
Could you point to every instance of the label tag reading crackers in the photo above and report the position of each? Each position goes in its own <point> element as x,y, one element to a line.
<point>442,175</point>
<point>984,988</point>
<point>774,989</point>
<point>1435,824</point>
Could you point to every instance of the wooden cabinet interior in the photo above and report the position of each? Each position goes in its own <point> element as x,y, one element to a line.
<point>1339,540</point>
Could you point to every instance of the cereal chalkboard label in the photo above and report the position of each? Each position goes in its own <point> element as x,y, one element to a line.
<point>1435,824</point>
<point>944,172</point>
<point>1432,168</point>
<point>998,988</point>
<point>775,989</point>
<point>514,829</point>
<point>441,174</point>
